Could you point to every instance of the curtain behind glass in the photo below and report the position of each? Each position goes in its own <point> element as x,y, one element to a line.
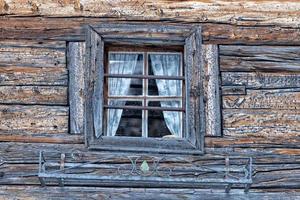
<point>118,64</point>
<point>168,65</point>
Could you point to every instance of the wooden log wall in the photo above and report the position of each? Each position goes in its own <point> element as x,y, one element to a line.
<point>259,61</point>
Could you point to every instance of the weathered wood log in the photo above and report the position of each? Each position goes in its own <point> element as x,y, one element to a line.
<point>15,75</point>
<point>239,12</point>
<point>31,56</point>
<point>73,29</point>
<point>82,193</point>
<point>261,80</point>
<point>261,122</point>
<point>19,119</point>
<point>46,95</point>
<point>258,58</point>
<point>265,99</point>
<point>76,62</point>
<point>56,138</point>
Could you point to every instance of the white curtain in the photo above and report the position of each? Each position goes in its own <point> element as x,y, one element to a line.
<point>118,64</point>
<point>169,65</point>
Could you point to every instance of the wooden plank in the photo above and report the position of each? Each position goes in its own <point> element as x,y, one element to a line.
<point>43,95</point>
<point>258,58</point>
<point>76,61</point>
<point>233,90</point>
<point>56,138</point>
<point>261,80</point>
<point>265,99</point>
<point>212,91</point>
<point>16,75</point>
<point>94,85</point>
<point>260,122</point>
<point>36,193</point>
<point>73,29</point>
<point>31,56</point>
<point>194,71</point>
<point>238,12</point>
<point>18,119</point>
<point>41,44</point>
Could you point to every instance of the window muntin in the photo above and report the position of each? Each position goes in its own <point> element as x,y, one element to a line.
<point>155,90</point>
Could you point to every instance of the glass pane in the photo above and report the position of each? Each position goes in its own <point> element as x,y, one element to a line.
<point>125,63</point>
<point>165,65</point>
<point>165,123</point>
<point>117,87</point>
<point>124,122</point>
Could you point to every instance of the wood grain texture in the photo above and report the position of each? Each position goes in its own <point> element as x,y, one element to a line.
<point>261,122</point>
<point>73,29</point>
<point>31,56</point>
<point>19,119</point>
<point>94,73</point>
<point>233,90</point>
<point>238,12</point>
<point>41,95</point>
<point>261,80</point>
<point>286,99</point>
<point>76,62</point>
<point>103,193</point>
<point>194,101</point>
<point>22,75</point>
<point>212,90</point>
<point>258,58</point>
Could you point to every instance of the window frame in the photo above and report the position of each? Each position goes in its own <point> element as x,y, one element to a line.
<point>188,36</point>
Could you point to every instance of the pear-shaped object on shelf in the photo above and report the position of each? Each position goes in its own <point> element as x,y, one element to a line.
<point>144,167</point>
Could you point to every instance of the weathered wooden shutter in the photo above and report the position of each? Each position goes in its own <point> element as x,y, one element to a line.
<point>94,74</point>
<point>76,60</point>
<point>212,89</point>
<point>195,109</point>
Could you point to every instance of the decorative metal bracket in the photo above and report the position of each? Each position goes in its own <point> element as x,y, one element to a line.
<point>78,168</point>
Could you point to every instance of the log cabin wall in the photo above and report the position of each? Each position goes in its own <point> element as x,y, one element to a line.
<point>259,60</point>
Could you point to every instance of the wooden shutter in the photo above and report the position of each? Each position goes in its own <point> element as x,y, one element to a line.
<point>75,58</point>
<point>94,74</point>
<point>212,90</point>
<point>195,109</point>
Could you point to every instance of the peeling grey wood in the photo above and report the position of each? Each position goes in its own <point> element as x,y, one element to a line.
<point>286,99</point>
<point>212,90</point>
<point>76,60</point>
<point>195,107</point>
<point>258,58</point>
<point>261,80</point>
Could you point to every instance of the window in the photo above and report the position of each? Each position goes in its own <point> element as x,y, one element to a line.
<point>143,93</point>
<point>144,88</point>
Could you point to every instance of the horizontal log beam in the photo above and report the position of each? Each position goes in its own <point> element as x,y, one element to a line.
<point>73,29</point>
<point>41,95</point>
<point>35,193</point>
<point>238,12</point>
<point>19,119</point>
